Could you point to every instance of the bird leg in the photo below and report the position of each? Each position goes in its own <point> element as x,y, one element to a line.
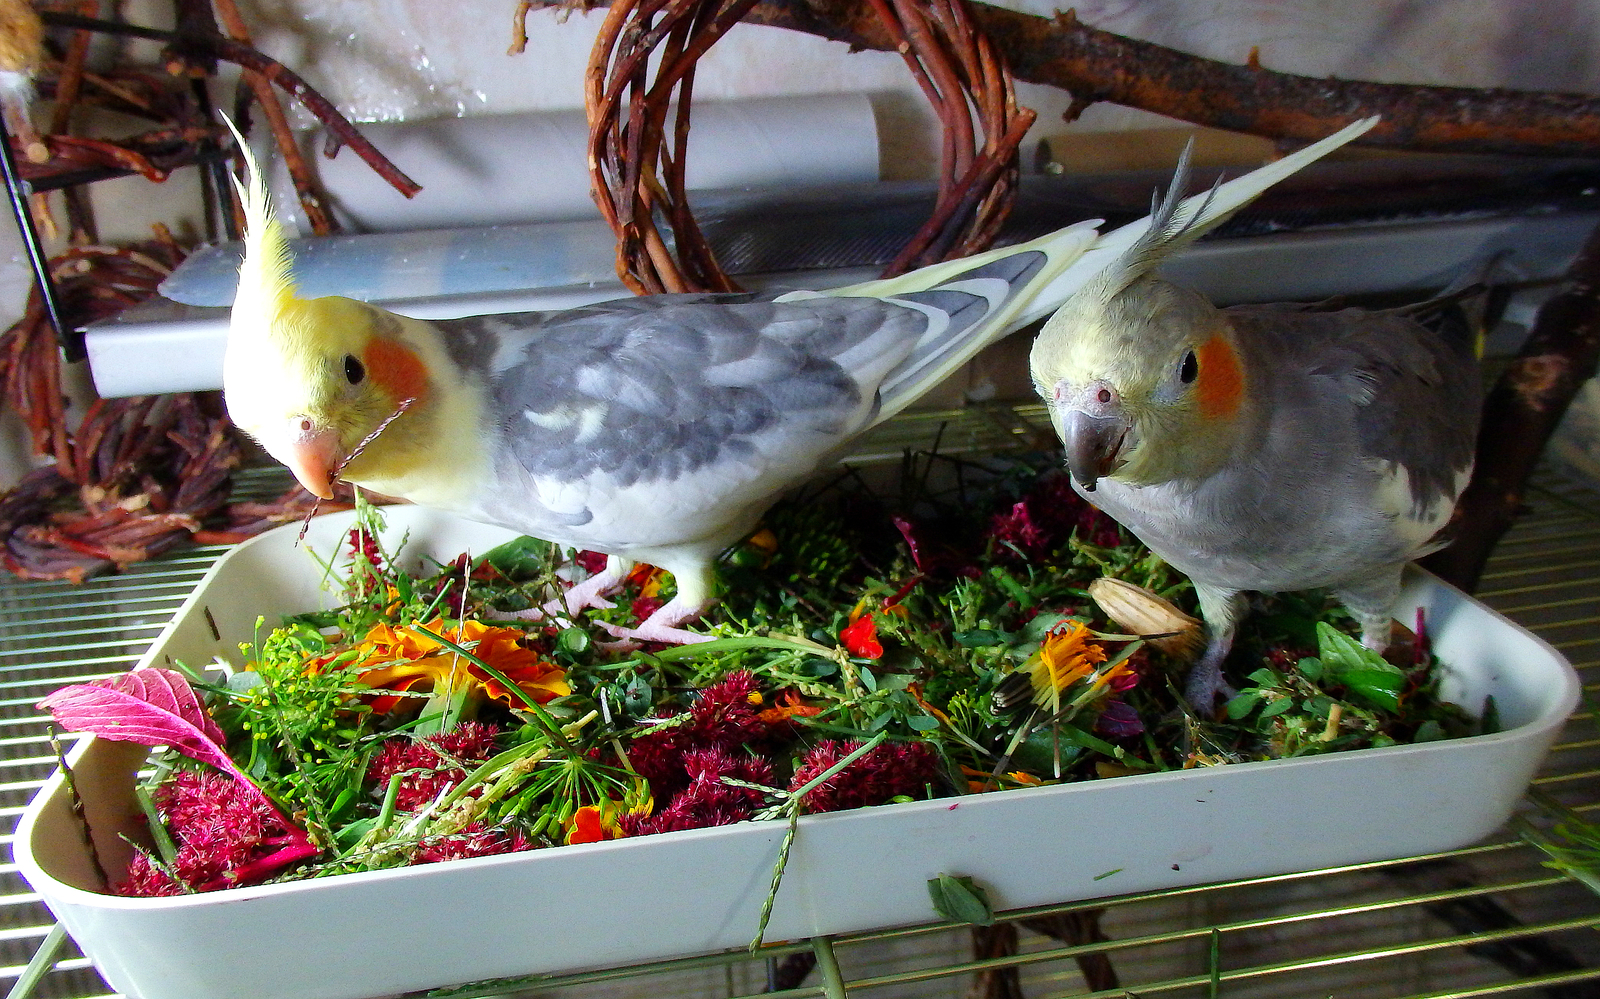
<point>1372,603</point>
<point>695,581</point>
<point>591,592</point>
<point>1221,610</point>
<point>1206,683</point>
<point>662,626</point>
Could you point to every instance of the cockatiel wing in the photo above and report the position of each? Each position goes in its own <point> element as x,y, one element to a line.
<point>1414,396</point>
<point>651,390</point>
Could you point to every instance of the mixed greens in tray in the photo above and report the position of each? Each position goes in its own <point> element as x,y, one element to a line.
<point>864,651</point>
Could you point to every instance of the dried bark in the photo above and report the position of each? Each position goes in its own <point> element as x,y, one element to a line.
<point>1097,65</point>
<point>305,188</point>
<point>989,943</point>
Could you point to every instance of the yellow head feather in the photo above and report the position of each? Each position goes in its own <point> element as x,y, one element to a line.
<point>266,287</point>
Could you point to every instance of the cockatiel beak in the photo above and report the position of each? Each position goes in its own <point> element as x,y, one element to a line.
<point>1094,428</point>
<point>314,455</point>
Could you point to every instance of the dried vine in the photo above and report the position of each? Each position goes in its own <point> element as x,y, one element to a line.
<point>1522,410</point>
<point>137,475</point>
<point>638,174</point>
<point>1095,65</point>
<point>133,477</point>
<point>638,163</point>
<point>956,66</point>
<point>185,47</point>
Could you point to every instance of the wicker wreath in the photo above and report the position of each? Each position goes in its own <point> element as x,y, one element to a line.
<point>637,166</point>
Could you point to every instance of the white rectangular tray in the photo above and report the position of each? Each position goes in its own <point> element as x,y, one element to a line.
<point>362,935</point>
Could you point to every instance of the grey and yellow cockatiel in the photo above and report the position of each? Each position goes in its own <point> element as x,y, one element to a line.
<point>655,429</point>
<point>1258,448</point>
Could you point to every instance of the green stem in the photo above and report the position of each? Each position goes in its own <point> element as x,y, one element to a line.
<point>828,968</point>
<point>158,829</point>
<point>43,960</point>
<point>792,809</point>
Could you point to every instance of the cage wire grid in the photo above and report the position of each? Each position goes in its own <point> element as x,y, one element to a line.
<point>1485,920</point>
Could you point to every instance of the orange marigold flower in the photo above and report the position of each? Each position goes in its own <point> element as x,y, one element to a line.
<point>409,659</point>
<point>788,705</point>
<point>647,578</point>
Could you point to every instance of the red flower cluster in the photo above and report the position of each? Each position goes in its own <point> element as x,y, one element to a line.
<point>476,840</point>
<point>726,717</point>
<point>887,771</point>
<point>685,764</point>
<point>226,833</point>
<point>1050,512</point>
<point>433,765</point>
<point>707,801</point>
<point>365,544</point>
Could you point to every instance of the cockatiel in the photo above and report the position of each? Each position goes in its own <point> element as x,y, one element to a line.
<point>1258,448</point>
<point>653,429</point>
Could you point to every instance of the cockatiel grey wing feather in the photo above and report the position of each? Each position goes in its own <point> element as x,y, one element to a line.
<point>648,391</point>
<point>1394,370</point>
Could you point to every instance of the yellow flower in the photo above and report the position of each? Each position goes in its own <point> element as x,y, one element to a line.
<point>1065,657</point>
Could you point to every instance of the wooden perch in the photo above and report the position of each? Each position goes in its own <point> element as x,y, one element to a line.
<point>1095,65</point>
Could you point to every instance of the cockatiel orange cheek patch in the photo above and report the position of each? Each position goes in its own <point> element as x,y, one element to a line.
<point>1221,383</point>
<point>394,367</point>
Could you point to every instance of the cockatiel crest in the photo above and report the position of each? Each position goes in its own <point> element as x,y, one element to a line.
<point>311,379</point>
<point>655,429</point>
<point>1258,448</point>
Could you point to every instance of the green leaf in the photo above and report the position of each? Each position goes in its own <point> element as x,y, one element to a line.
<point>1243,704</point>
<point>922,723</point>
<point>960,900</point>
<point>894,681</point>
<point>1012,588</point>
<point>1034,631</point>
<point>1367,676</point>
<point>979,638</point>
<point>1430,731</point>
<point>1276,706</point>
<point>818,667</point>
<point>867,679</point>
<point>519,558</point>
<point>1375,688</point>
<point>637,696</point>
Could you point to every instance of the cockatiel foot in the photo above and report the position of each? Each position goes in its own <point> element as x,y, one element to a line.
<point>662,626</point>
<point>1204,686</point>
<point>631,638</point>
<point>590,593</point>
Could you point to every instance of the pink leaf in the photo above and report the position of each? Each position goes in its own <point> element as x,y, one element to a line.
<point>153,706</point>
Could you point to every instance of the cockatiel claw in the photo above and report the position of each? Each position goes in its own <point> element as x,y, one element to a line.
<point>1258,448</point>
<point>655,429</point>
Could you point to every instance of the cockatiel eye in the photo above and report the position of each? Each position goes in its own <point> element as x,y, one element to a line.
<point>1188,368</point>
<point>354,370</point>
